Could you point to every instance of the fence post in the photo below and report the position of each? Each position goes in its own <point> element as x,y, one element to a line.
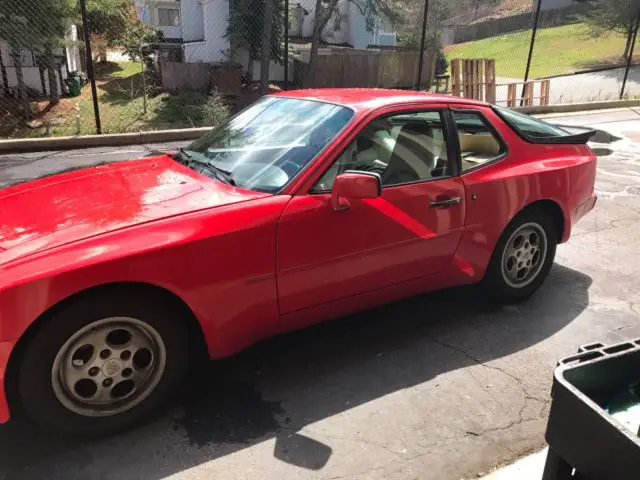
<point>630,59</point>
<point>455,77</point>
<point>490,80</point>
<point>422,41</point>
<point>533,41</point>
<point>90,72</point>
<point>511,95</point>
<point>286,44</point>
<point>544,92</point>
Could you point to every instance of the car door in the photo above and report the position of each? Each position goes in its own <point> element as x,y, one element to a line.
<point>410,231</point>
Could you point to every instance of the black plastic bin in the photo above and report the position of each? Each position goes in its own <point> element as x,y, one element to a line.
<point>580,433</point>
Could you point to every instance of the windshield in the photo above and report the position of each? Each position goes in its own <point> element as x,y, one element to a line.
<point>529,127</point>
<point>263,147</point>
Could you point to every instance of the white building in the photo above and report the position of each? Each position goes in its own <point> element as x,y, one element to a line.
<point>200,26</point>
<point>184,22</point>
<point>36,78</point>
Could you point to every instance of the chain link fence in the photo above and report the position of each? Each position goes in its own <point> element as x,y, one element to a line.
<point>551,51</point>
<point>137,65</point>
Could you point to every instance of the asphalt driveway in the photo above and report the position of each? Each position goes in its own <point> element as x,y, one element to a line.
<point>442,386</point>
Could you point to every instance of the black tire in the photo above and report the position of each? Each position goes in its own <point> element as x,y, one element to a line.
<point>34,376</point>
<point>494,281</point>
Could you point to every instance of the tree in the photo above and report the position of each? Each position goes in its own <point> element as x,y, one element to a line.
<point>614,15</point>
<point>326,9</point>
<point>266,46</point>
<point>140,42</point>
<point>14,31</point>
<point>52,19</point>
<point>439,10</point>
<point>109,20</point>
<point>40,24</point>
<point>243,30</point>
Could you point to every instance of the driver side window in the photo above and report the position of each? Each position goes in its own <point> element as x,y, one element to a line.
<point>404,148</point>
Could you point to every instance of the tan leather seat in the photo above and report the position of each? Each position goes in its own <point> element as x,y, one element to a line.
<point>481,144</point>
<point>411,159</point>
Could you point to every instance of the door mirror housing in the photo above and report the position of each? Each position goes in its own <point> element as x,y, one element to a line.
<point>354,185</point>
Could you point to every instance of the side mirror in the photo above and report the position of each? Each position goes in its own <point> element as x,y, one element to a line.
<point>354,185</point>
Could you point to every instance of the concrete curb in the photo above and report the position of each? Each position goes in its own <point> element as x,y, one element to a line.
<point>530,467</point>
<point>159,136</point>
<point>578,107</point>
<point>106,140</point>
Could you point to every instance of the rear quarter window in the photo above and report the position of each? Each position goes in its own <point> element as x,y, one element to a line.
<point>528,127</point>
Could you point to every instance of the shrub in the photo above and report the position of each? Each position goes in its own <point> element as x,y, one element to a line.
<point>215,110</point>
<point>442,64</point>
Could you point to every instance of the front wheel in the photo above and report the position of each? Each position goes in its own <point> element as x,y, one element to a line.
<point>101,364</point>
<point>522,258</point>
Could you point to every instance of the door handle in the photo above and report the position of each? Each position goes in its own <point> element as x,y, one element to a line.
<point>449,202</point>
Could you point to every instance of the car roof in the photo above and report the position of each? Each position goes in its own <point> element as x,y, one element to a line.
<point>365,99</point>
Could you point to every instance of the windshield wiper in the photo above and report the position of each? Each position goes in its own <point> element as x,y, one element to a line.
<point>223,175</point>
<point>185,157</point>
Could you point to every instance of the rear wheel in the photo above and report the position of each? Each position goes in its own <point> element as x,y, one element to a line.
<point>523,257</point>
<point>101,364</point>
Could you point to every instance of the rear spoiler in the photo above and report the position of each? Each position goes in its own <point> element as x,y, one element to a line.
<point>581,136</point>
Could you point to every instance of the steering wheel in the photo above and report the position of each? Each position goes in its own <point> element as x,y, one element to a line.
<point>294,167</point>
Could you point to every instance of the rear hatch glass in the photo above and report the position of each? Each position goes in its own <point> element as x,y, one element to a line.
<point>534,130</point>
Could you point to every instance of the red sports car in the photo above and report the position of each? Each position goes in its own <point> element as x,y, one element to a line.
<point>305,206</point>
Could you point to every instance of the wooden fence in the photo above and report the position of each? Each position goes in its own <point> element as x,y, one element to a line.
<point>382,68</point>
<point>529,96</point>
<point>200,76</point>
<point>464,30</point>
<point>474,79</point>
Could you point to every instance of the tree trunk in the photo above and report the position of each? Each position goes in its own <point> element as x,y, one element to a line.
<point>266,47</point>
<point>143,66</point>
<point>17,62</point>
<point>5,80</point>
<point>23,108</point>
<point>627,46</point>
<point>319,23</point>
<point>250,70</point>
<point>54,96</point>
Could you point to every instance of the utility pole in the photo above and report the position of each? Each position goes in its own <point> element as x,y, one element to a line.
<point>422,41</point>
<point>533,41</point>
<point>90,72</point>
<point>286,44</point>
<point>630,59</point>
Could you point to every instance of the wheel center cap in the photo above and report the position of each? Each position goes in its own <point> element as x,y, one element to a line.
<point>111,367</point>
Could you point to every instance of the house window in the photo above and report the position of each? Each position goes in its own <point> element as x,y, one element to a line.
<point>168,17</point>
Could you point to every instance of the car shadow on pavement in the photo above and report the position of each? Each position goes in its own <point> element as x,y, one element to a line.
<point>278,387</point>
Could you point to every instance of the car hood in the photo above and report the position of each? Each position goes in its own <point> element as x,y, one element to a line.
<point>64,208</point>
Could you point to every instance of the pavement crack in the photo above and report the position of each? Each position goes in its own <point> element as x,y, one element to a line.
<point>611,224</point>
<point>527,397</point>
<point>365,442</point>
<point>356,474</point>
<point>502,428</point>
<point>491,367</point>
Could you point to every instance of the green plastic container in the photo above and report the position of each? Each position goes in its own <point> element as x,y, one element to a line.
<point>74,86</point>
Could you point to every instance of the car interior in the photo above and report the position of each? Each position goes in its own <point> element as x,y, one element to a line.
<point>408,148</point>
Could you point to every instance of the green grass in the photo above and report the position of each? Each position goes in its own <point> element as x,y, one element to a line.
<point>558,50</point>
<point>124,69</point>
<point>121,103</point>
